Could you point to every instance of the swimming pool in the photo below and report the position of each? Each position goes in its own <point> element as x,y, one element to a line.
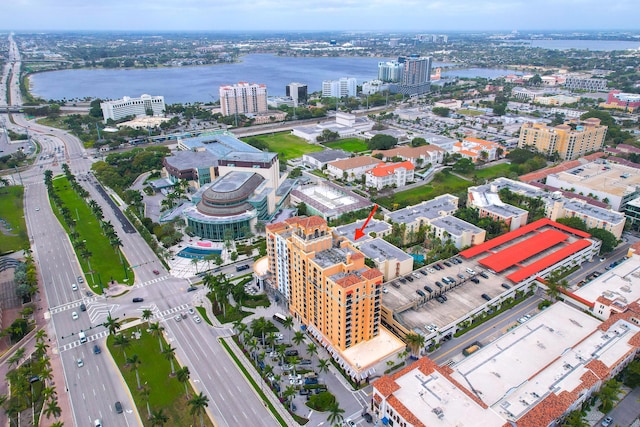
<point>199,253</point>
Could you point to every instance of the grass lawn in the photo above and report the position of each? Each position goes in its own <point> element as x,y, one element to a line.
<point>165,392</point>
<point>57,122</point>
<point>353,145</point>
<point>12,216</point>
<point>442,184</point>
<point>470,112</point>
<point>286,145</point>
<point>104,260</point>
<point>492,172</point>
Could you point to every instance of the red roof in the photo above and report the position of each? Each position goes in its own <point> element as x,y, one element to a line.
<point>389,169</point>
<point>500,240</point>
<point>519,252</point>
<point>548,261</point>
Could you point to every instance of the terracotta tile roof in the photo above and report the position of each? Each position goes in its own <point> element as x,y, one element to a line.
<point>483,142</point>
<point>635,340</point>
<point>357,255</point>
<point>389,169</point>
<point>468,153</point>
<point>278,226</point>
<point>386,385</point>
<point>354,162</point>
<point>409,152</point>
<point>550,408</point>
<point>372,273</point>
<point>598,368</point>
<point>377,397</point>
<point>349,280</point>
<point>603,300</point>
<point>404,412</point>
<point>589,379</point>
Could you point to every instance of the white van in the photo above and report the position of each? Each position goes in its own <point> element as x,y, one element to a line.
<point>83,337</point>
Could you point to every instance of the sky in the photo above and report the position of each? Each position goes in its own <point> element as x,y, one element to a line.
<point>319,15</point>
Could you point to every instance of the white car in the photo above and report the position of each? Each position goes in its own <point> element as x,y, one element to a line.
<point>74,287</point>
<point>178,318</point>
<point>80,363</point>
<point>74,315</point>
<point>197,319</point>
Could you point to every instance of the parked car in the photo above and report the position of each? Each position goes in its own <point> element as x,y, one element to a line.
<point>486,297</point>
<point>80,279</point>
<point>606,422</point>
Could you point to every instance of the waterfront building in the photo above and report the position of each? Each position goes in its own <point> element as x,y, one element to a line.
<point>570,140</point>
<point>344,87</point>
<point>298,92</point>
<point>243,98</point>
<point>390,71</point>
<point>416,76</point>
<point>146,105</point>
<point>374,86</point>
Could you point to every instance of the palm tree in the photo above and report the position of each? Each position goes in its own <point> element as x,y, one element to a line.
<point>158,418</point>
<point>289,392</point>
<point>609,395</point>
<point>260,326</point>
<point>123,342</point>
<point>156,331</point>
<point>145,392</point>
<point>134,363</point>
<point>298,337</point>
<point>239,327</point>
<point>183,376</point>
<point>575,419</point>
<point>40,335</point>
<point>16,357</point>
<point>52,408</point>
<point>49,393</point>
<point>198,403</point>
<point>168,353</point>
<point>323,365</point>
<point>312,350</point>
<point>288,325</point>
<point>335,414</point>
<point>112,324</point>
<point>146,315</point>
<point>57,424</point>
<point>415,343</point>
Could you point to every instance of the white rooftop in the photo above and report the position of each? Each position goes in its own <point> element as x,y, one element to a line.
<point>620,284</point>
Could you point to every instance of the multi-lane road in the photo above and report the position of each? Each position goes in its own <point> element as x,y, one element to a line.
<point>94,387</point>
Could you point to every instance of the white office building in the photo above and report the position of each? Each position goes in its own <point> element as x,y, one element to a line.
<point>346,86</point>
<point>143,106</point>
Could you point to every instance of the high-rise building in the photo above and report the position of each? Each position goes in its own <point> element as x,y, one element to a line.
<point>145,105</point>
<point>298,92</point>
<point>243,98</point>
<point>325,280</point>
<point>346,86</point>
<point>416,76</point>
<point>390,71</point>
<point>570,140</point>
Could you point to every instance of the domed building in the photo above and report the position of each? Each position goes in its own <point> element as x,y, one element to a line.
<point>233,202</point>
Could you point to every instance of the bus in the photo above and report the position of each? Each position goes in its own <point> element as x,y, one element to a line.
<point>279,318</point>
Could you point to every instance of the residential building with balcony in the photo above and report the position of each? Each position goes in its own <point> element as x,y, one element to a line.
<point>243,98</point>
<point>387,175</point>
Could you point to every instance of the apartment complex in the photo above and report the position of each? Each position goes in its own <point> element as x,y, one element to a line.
<point>325,280</point>
<point>351,168</point>
<point>416,76</point>
<point>420,215</point>
<point>346,86</point>
<point>390,71</point>
<point>476,149</point>
<point>585,83</point>
<point>418,156</point>
<point>243,98</point>
<point>570,140</point>
<point>386,175</point>
<point>146,105</point>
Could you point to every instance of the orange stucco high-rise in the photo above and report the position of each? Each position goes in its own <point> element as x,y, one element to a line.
<point>328,286</point>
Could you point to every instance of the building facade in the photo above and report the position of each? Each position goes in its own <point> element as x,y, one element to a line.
<point>243,98</point>
<point>298,92</point>
<point>570,140</point>
<point>416,76</point>
<point>331,290</point>
<point>386,175</point>
<point>146,105</point>
<point>390,71</point>
<point>585,83</point>
<point>344,87</point>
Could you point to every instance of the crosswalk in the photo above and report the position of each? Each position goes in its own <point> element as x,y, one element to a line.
<point>151,282</point>
<point>71,305</point>
<point>98,312</point>
<point>77,343</point>
<point>171,311</point>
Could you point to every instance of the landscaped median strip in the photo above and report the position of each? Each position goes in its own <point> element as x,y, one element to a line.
<point>255,386</point>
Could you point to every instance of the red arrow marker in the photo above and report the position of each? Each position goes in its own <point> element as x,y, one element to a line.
<point>359,231</point>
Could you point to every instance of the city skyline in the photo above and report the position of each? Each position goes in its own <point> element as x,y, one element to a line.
<point>315,15</point>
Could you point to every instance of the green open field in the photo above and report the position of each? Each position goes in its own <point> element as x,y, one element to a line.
<point>13,230</point>
<point>442,184</point>
<point>165,392</point>
<point>352,145</point>
<point>491,172</point>
<point>286,145</point>
<point>470,112</point>
<point>105,261</point>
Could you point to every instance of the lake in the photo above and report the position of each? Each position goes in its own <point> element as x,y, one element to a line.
<point>201,83</point>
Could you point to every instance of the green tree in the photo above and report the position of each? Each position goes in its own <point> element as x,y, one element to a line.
<point>112,324</point>
<point>335,416</point>
<point>52,409</point>
<point>573,222</point>
<point>382,142</point>
<point>134,363</point>
<point>608,395</point>
<point>416,343</point>
<point>169,354</point>
<point>123,342</point>
<point>609,241</point>
<point>183,376</point>
<point>441,111</point>
<point>575,419</point>
<point>158,418</point>
<point>198,403</point>
<point>298,337</point>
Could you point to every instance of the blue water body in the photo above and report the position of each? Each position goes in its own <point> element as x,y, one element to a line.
<point>198,253</point>
<point>418,257</point>
<point>201,84</point>
<point>604,45</point>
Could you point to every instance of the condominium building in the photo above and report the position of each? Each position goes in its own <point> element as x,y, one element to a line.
<point>243,98</point>
<point>570,140</point>
<point>146,105</point>
<point>346,86</point>
<point>298,92</point>
<point>477,149</point>
<point>390,71</point>
<point>386,175</point>
<point>416,76</point>
<point>325,280</point>
<point>585,83</point>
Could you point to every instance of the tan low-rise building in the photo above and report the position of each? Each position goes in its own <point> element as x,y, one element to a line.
<point>352,168</point>
<point>418,156</point>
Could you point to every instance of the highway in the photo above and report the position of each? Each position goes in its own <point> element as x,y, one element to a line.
<point>96,386</point>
